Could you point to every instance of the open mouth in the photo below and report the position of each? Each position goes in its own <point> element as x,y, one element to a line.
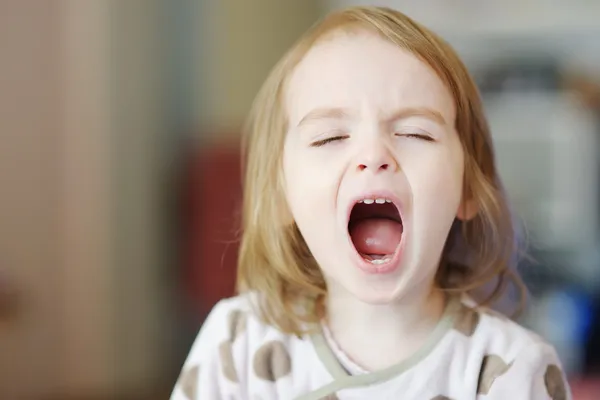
<point>375,228</point>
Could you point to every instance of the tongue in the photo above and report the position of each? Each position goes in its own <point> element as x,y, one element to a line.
<point>376,236</point>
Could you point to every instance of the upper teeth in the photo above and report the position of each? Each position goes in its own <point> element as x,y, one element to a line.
<point>378,201</point>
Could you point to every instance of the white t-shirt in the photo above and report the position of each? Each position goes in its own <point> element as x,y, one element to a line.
<point>471,354</point>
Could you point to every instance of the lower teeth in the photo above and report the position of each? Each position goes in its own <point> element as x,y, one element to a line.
<point>379,261</point>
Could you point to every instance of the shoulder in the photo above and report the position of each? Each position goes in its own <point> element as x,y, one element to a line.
<point>495,330</point>
<point>226,320</point>
<point>510,359</point>
<point>232,321</point>
<point>233,345</point>
<point>233,334</point>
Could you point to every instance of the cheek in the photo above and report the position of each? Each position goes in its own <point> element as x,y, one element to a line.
<point>309,187</point>
<point>310,194</point>
<point>436,183</point>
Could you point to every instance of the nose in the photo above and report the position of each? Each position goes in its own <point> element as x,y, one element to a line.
<point>375,157</point>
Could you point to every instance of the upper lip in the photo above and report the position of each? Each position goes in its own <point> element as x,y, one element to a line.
<point>375,194</point>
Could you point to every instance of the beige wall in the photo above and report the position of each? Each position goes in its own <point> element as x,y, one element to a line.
<point>82,176</point>
<point>55,235</point>
<point>55,197</point>
<point>139,105</point>
<point>86,269</point>
<point>30,83</point>
<point>248,38</point>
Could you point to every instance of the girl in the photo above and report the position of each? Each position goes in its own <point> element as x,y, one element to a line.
<point>373,216</point>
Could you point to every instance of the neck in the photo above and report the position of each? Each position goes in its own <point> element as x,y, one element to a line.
<point>376,336</point>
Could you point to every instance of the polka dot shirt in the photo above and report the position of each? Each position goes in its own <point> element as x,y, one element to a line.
<point>471,354</point>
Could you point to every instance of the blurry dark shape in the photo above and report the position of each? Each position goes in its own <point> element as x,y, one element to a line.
<point>211,224</point>
<point>592,359</point>
<point>520,75</point>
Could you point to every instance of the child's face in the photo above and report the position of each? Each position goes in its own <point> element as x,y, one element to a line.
<point>368,120</point>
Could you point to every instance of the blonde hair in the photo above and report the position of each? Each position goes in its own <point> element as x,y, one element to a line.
<point>274,260</point>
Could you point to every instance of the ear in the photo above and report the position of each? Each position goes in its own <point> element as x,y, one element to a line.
<point>467,210</point>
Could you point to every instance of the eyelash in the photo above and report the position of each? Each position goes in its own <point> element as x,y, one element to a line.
<point>323,142</point>
<point>416,136</point>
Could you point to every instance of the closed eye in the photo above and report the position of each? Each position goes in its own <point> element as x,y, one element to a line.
<point>416,136</point>
<point>323,142</point>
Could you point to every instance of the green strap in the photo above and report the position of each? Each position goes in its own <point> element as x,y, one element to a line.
<point>342,380</point>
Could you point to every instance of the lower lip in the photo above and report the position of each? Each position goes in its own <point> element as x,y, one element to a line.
<point>379,269</point>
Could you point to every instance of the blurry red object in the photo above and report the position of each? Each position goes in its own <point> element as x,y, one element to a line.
<point>586,389</point>
<point>211,219</point>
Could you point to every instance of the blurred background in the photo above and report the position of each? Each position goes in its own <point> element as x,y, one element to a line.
<point>120,187</point>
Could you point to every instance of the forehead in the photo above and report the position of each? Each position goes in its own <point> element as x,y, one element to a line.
<point>362,72</point>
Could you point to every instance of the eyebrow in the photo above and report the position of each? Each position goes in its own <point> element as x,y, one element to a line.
<point>403,113</point>
<point>324,113</point>
<point>426,112</point>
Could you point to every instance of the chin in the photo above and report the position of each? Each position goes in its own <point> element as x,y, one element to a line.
<point>376,298</point>
<point>376,289</point>
<point>408,280</point>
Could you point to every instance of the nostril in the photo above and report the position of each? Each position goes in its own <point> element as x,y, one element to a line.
<point>384,167</point>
